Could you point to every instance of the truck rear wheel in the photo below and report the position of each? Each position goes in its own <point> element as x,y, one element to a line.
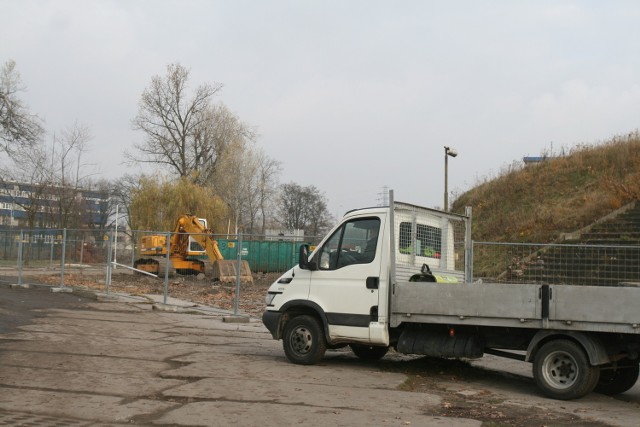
<point>303,340</point>
<point>618,379</point>
<point>369,352</point>
<point>562,371</point>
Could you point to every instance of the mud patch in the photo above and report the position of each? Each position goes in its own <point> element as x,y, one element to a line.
<point>465,394</point>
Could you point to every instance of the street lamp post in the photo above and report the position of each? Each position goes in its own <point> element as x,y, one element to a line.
<point>448,151</point>
<point>115,243</point>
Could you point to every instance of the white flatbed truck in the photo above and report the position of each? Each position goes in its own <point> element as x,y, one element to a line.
<point>399,276</point>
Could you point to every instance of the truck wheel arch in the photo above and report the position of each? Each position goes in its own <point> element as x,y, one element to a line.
<point>301,307</point>
<point>592,345</point>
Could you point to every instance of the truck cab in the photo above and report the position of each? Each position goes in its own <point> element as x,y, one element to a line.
<point>342,289</point>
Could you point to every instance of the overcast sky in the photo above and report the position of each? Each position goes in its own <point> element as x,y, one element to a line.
<point>350,96</point>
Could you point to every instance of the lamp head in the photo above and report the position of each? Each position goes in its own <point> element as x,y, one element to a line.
<point>451,151</point>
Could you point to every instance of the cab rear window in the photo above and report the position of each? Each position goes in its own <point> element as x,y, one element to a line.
<point>425,240</point>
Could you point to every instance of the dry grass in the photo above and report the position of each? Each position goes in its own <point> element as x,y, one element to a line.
<point>537,203</point>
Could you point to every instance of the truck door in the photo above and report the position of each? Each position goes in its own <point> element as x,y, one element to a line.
<point>345,284</point>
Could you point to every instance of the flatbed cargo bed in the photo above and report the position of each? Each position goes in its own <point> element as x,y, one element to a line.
<point>570,307</point>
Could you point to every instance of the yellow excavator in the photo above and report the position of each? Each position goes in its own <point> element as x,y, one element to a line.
<point>189,228</point>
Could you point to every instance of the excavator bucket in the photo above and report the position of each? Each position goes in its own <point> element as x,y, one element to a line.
<point>227,271</point>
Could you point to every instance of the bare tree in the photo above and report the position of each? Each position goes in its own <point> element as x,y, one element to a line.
<point>232,172</point>
<point>123,190</point>
<point>175,123</point>
<point>266,185</point>
<point>19,129</point>
<point>247,193</point>
<point>221,135</point>
<point>48,184</point>
<point>204,143</point>
<point>303,208</point>
<point>68,169</point>
<point>231,181</point>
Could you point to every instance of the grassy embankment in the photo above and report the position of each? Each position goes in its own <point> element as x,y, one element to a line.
<point>537,203</point>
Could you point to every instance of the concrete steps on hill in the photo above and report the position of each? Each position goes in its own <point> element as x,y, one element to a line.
<point>614,262</point>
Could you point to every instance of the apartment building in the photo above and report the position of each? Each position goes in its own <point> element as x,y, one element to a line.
<point>48,206</point>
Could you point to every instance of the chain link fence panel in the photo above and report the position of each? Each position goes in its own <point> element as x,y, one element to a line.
<point>71,257</point>
<point>557,264</point>
<point>136,262</point>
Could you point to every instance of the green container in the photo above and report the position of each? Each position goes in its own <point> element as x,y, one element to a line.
<point>264,256</point>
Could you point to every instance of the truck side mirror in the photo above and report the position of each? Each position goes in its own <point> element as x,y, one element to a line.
<point>303,261</point>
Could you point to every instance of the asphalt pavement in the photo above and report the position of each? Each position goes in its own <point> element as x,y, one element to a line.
<point>85,360</point>
<point>90,359</point>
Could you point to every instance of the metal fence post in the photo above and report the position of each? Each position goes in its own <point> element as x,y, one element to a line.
<point>238,271</point>
<point>51,254</point>
<point>64,249</point>
<point>166,269</point>
<point>468,247</point>
<point>20,258</point>
<point>109,260</point>
<point>133,248</point>
<point>81,251</point>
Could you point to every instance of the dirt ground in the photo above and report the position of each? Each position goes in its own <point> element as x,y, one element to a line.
<point>188,288</point>
<point>471,392</point>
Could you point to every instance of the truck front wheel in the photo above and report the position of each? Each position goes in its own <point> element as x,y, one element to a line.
<point>562,371</point>
<point>303,340</point>
<point>618,379</point>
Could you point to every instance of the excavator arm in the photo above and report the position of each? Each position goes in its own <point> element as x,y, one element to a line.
<point>189,225</point>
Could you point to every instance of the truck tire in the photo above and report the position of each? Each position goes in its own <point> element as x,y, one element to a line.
<point>562,371</point>
<point>369,352</point>
<point>618,379</point>
<point>303,340</point>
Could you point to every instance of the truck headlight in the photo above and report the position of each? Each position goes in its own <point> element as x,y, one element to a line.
<point>268,299</point>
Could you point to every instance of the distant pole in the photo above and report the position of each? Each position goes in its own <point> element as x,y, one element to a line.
<point>62,257</point>
<point>20,257</point>
<point>166,270</point>
<point>446,180</point>
<point>236,305</point>
<point>115,239</point>
<point>109,264</point>
<point>448,151</point>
